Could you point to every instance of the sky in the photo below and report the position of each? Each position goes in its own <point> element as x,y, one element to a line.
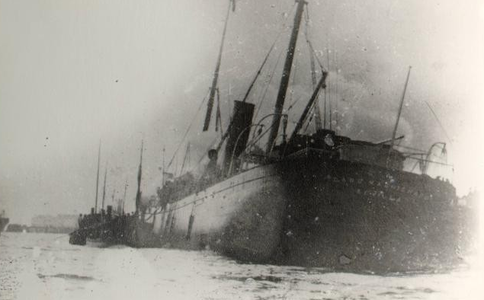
<point>74,73</point>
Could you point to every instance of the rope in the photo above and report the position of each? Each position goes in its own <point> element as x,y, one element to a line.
<point>261,100</point>
<point>186,133</point>
<point>284,25</point>
<point>440,124</point>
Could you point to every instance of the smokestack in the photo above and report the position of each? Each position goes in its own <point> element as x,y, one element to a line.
<point>238,134</point>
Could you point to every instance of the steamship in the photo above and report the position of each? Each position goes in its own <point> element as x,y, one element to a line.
<point>315,200</point>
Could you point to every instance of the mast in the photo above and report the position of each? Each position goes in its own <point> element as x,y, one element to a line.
<point>163,168</point>
<point>317,110</point>
<point>112,198</point>
<point>400,109</point>
<point>104,189</point>
<point>213,89</point>
<point>97,178</point>
<point>186,159</point>
<point>321,84</point>
<point>138,193</point>
<point>281,96</point>
<point>124,196</point>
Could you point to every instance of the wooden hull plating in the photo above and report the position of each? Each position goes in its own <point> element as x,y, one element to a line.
<point>317,212</point>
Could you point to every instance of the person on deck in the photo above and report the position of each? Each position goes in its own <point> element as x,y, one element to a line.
<point>212,171</point>
<point>79,221</point>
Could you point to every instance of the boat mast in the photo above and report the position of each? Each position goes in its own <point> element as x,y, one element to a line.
<point>112,197</point>
<point>124,196</point>
<point>138,193</point>
<point>400,110</point>
<point>97,179</point>
<point>104,189</point>
<point>281,96</point>
<point>213,89</point>
<point>186,159</point>
<point>321,84</point>
<point>317,110</point>
<point>163,168</point>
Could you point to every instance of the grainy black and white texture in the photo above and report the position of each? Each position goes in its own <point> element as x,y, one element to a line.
<point>73,73</point>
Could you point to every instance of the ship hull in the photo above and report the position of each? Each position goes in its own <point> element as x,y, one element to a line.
<point>241,217</point>
<point>310,210</point>
<point>353,216</point>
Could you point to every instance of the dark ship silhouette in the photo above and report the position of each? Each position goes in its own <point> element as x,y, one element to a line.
<point>3,221</point>
<point>317,200</point>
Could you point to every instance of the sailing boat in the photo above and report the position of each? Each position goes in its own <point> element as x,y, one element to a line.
<point>317,200</point>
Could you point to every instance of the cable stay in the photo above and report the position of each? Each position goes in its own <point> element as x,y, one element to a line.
<point>258,73</point>
<point>317,109</point>
<point>186,159</point>
<point>263,96</point>
<point>186,133</point>
<point>440,124</point>
<point>321,84</point>
<point>213,89</point>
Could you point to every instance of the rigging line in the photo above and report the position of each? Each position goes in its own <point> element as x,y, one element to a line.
<point>306,33</point>
<point>430,161</point>
<point>223,137</point>
<point>262,98</point>
<point>400,108</point>
<point>284,28</point>
<point>293,80</point>
<point>411,148</point>
<point>262,65</point>
<point>218,119</point>
<point>187,156</point>
<point>311,115</point>
<point>316,56</point>
<point>337,91</point>
<point>329,94</point>
<point>310,111</point>
<point>311,102</point>
<point>315,110</point>
<point>292,105</point>
<point>186,133</point>
<point>293,74</point>
<point>211,98</point>
<point>259,71</point>
<point>438,121</point>
<point>325,110</point>
<point>253,142</point>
